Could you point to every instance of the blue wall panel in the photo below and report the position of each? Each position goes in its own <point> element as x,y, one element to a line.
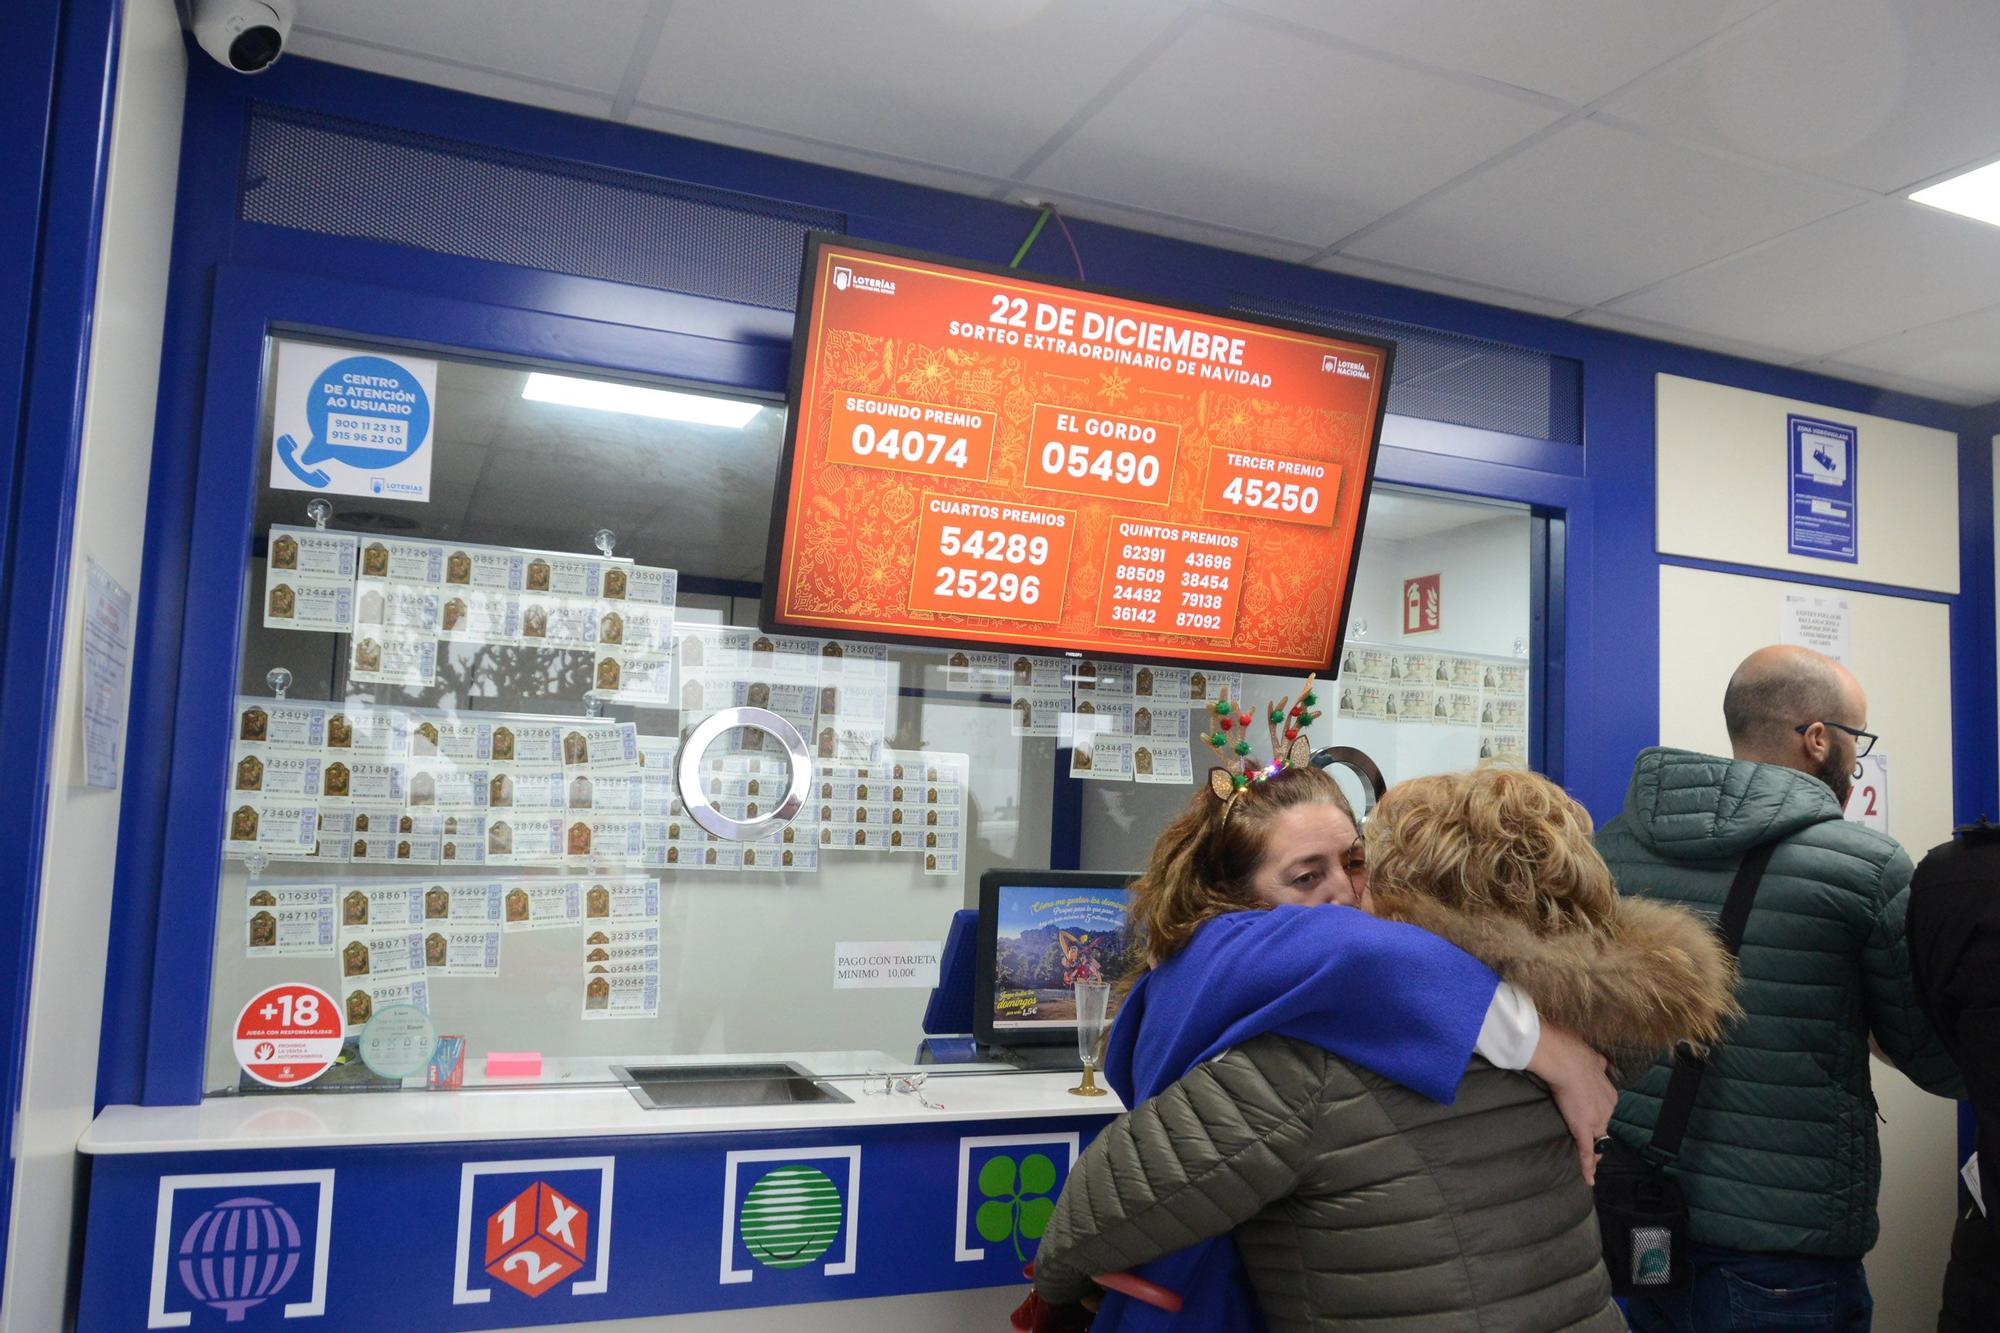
<point>56,116</point>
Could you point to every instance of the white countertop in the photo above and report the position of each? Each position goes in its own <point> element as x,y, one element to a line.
<point>538,1111</point>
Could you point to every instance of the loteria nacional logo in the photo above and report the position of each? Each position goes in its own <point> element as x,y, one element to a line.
<point>544,1224</point>
<point>1340,365</point>
<point>240,1246</point>
<point>845,278</point>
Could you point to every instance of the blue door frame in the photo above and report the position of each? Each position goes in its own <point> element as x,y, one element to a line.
<point>234,281</point>
<point>55,140</point>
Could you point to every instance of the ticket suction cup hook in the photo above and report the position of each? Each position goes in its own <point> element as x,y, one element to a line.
<point>607,541</point>
<point>279,679</point>
<point>319,511</point>
<point>593,707</point>
<point>256,862</point>
<point>1360,629</point>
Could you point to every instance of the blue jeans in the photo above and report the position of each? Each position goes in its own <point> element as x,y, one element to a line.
<point>1735,1290</point>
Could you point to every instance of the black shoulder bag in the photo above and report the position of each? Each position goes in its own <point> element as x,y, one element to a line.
<point>1641,1210</point>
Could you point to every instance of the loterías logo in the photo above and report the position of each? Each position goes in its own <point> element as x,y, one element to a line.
<point>242,1245</point>
<point>845,277</point>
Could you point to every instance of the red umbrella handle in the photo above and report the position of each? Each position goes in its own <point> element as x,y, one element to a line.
<point>1152,1293</point>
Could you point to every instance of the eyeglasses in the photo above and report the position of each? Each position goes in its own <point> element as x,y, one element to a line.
<point>1864,741</point>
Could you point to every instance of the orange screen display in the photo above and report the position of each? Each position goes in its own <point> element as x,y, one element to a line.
<point>975,457</point>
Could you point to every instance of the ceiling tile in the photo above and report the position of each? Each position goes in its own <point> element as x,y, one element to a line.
<point>1590,213</point>
<point>1266,132</point>
<point>1882,379</point>
<point>1667,333</point>
<point>1577,50</point>
<point>978,87</point>
<point>801,149</point>
<point>1957,353</point>
<point>1164,224</point>
<point>1423,281</point>
<point>1880,93</point>
<point>1864,274</point>
<point>398,65</point>
<point>529,38</point>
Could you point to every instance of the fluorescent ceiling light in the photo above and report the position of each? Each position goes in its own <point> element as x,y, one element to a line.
<point>1976,194</point>
<point>604,396</point>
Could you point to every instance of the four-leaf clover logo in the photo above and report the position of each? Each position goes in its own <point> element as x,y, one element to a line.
<point>1017,1199</point>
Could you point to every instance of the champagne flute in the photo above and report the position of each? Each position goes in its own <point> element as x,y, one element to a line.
<point>1093,1001</point>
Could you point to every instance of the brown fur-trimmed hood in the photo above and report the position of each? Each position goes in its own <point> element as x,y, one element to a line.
<point>1652,976</point>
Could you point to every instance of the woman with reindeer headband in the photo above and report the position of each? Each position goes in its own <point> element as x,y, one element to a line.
<point>1299,1078</point>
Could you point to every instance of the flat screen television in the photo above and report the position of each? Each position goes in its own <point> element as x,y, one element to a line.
<point>1040,931</point>
<point>984,459</point>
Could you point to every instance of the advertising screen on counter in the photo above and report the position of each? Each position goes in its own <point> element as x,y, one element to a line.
<point>975,456</point>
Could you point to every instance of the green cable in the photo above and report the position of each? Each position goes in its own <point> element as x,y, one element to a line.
<point>1029,244</point>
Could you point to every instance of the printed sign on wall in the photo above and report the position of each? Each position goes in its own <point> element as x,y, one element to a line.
<point>1423,604</point>
<point>353,423</point>
<point>1823,513</point>
<point>1868,803</point>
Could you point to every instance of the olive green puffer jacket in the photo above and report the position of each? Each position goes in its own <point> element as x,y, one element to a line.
<point>1781,1153</point>
<point>1354,1202</point>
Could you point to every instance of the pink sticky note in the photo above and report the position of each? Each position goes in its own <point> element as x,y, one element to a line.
<point>513,1064</point>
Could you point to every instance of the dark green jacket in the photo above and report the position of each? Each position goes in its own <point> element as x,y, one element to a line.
<point>1781,1153</point>
<point>1355,1203</point>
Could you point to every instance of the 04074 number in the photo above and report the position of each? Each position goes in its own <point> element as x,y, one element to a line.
<point>1011,548</point>
<point>908,446</point>
<point>986,585</point>
<point>1287,497</point>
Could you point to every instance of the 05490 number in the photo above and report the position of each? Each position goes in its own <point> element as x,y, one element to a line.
<point>986,585</point>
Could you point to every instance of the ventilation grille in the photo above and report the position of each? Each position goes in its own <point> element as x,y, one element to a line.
<point>1464,381</point>
<point>345,178</point>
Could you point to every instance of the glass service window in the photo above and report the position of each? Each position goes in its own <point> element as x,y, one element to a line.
<point>463,799</point>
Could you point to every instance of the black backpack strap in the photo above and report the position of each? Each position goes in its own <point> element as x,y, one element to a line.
<point>1678,1106</point>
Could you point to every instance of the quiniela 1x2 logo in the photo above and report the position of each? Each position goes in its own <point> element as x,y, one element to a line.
<point>845,278</point>
<point>1340,365</point>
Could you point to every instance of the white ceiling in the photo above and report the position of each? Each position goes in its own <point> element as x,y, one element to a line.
<point>1721,173</point>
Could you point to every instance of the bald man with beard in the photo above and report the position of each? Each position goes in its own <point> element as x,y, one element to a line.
<point>1780,1165</point>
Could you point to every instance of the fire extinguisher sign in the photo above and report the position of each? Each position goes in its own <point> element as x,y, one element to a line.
<point>288,1035</point>
<point>1423,604</point>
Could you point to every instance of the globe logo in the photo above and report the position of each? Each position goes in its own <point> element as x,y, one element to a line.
<point>238,1254</point>
<point>790,1217</point>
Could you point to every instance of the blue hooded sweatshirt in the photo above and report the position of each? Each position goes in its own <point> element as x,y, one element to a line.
<point>1389,998</point>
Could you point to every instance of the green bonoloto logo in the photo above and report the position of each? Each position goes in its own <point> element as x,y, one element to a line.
<point>1017,1204</point>
<point>790,1217</point>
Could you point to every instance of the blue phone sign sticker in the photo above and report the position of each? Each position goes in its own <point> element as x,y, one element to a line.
<point>1823,519</point>
<point>353,423</point>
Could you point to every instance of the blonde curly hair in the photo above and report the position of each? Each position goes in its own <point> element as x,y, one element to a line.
<point>1500,862</point>
<point>1497,839</point>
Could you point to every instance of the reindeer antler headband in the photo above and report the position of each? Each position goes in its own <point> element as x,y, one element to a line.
<point>1288,718</point>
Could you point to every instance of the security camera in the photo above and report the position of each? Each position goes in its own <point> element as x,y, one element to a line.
<point>246,35</point>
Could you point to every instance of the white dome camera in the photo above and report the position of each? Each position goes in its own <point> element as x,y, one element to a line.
<point>247,36</point>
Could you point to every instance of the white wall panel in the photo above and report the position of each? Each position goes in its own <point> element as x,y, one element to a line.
<point>1723,460</point>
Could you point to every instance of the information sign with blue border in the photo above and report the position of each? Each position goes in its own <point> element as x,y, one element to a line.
<point>1824,513</point>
